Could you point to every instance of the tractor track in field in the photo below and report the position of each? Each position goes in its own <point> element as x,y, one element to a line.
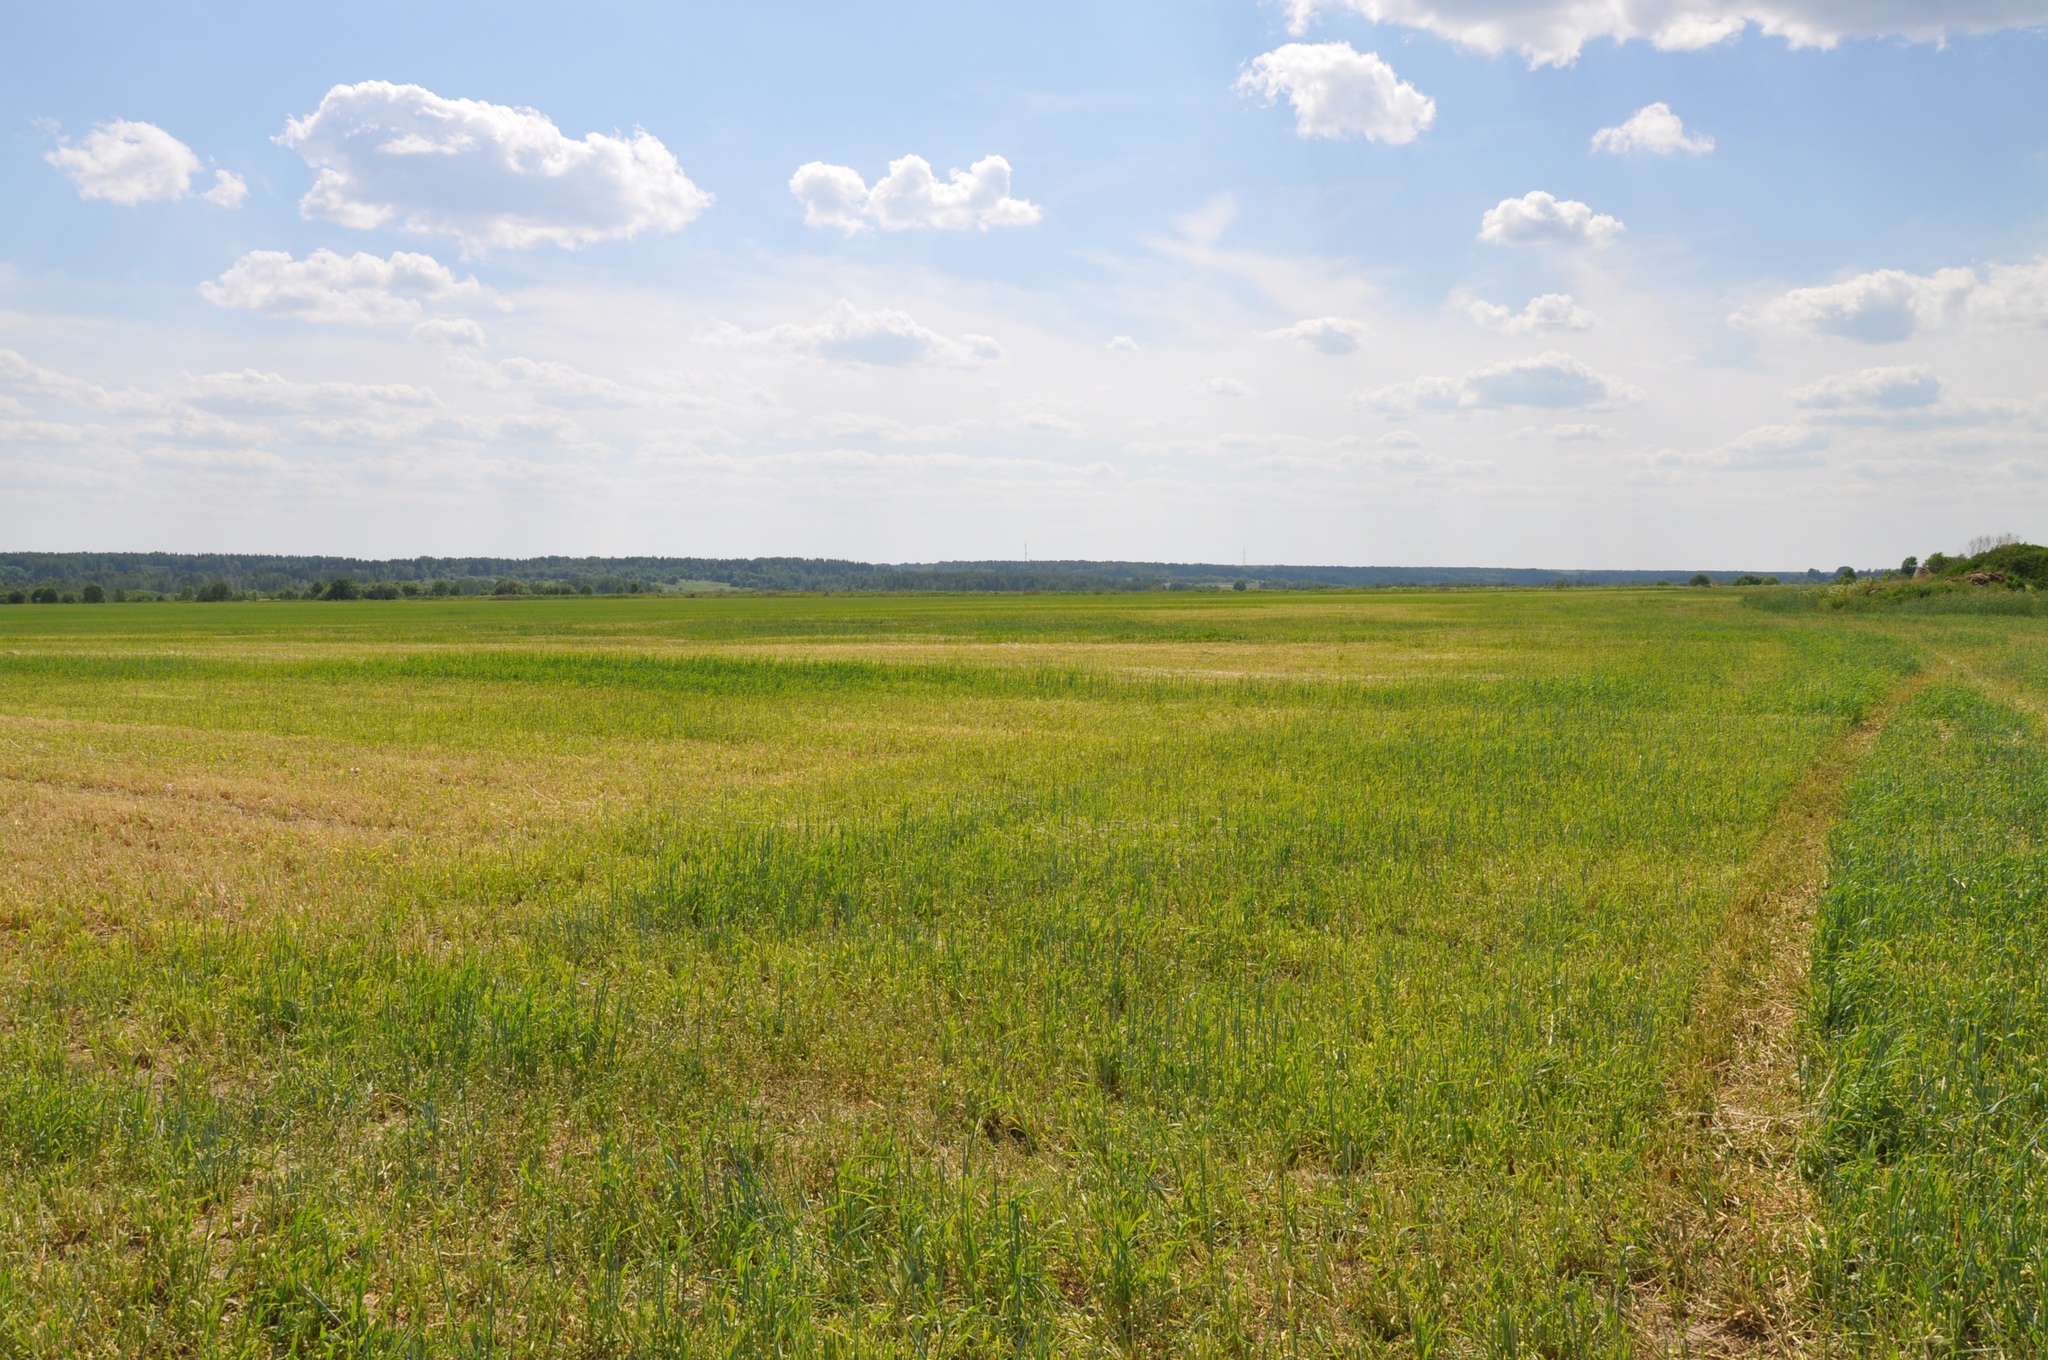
<point>1740,1217</point>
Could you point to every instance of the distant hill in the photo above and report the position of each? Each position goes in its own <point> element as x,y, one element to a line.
<point>172,572</point>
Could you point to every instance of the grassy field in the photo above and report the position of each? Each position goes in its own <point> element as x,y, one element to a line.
<point>1931,1015</point>
<point>1403,973</point>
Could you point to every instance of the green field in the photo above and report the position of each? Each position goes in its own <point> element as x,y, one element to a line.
<point>1584,973</point>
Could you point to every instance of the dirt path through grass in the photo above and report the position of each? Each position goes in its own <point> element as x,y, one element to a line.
<point>1741,1215</point>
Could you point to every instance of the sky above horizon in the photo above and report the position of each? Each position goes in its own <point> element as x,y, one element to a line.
<point>1647,284</point>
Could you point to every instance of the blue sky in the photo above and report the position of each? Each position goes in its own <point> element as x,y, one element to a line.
<point>1355,281</point>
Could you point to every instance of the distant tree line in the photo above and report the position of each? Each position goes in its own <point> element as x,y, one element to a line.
<point>227,576</point>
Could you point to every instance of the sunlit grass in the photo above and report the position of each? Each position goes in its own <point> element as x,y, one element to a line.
<point>1931,1018</point>
<point>929,975</point>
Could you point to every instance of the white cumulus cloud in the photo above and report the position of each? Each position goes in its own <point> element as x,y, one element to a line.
<point>487,174</point>
<point>1550,312</point>
<point>1549,381</point>
<point>1903,397</point>
<point>832,195</point>
<point>450,332</point>
<point>1655,129</point>
<point>1538,216</point>
<point>1892,389</point>
<point>129,163</point>
<point>1770,445</point>
<point>2013,293</point>
<point>911,196</point>
<point>1328,334</point>
<point>1551,32</point>
<point>1883,305</point>
<point>884,338</point>
<point>228,191</point>
<point>1891,304</point>
<point>1338,91</point>
<point>357,289</point>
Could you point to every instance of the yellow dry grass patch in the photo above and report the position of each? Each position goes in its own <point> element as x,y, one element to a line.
<point>122,816</point>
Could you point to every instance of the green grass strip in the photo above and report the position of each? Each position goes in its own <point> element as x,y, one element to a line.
<point>1930,1021</point>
